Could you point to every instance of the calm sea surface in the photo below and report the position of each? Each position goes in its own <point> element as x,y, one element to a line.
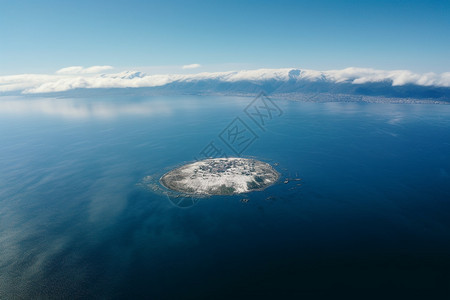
<point>369,218</point>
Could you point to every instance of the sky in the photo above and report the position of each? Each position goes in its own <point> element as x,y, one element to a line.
<point>163,36</point>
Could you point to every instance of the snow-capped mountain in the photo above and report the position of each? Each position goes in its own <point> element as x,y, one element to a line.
<point>287,81</point>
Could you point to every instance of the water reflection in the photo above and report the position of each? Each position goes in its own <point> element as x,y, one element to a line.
<point>80,108</point>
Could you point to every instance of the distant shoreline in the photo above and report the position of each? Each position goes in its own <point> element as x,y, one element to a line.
<point>299,97</point>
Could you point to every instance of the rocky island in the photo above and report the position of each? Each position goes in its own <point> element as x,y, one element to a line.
<point>221,176</point>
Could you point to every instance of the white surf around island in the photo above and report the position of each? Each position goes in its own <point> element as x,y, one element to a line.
<point>221,176</point>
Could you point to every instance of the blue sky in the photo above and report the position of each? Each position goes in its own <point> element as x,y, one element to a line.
<point>44,36</point>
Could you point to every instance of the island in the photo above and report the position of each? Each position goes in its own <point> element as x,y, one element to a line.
<point>221,176</point>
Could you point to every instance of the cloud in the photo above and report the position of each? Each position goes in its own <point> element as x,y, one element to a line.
<point>81,70</point>
<point>77,77</point>
<point>191,66</point>
<point>396,77</point>
<point>127,79</point>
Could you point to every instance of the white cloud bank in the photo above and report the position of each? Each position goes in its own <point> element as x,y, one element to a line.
<point>92,77</point>
<point>81,70</point>
<point>191,66</point>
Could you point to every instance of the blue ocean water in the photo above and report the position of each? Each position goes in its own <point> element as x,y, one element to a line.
<point>369,218</point>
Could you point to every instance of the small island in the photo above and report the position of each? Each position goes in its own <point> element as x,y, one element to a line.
<point>221,176</point>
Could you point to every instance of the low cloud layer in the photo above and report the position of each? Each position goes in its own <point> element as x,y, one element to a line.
<point>77,77</point>
<point>81,70</point>
<point>191,66</point>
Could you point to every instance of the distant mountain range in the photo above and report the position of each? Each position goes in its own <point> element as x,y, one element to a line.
<point>351,84</point>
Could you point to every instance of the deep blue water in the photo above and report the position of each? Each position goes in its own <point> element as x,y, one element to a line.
<point>371,217</point>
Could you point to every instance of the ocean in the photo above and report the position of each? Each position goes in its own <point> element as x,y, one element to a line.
<point>362,209</point>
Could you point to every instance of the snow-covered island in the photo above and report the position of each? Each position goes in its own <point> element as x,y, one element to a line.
<point>221,176</point>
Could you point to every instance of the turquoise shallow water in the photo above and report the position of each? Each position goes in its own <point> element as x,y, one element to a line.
<point>371,217</point>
